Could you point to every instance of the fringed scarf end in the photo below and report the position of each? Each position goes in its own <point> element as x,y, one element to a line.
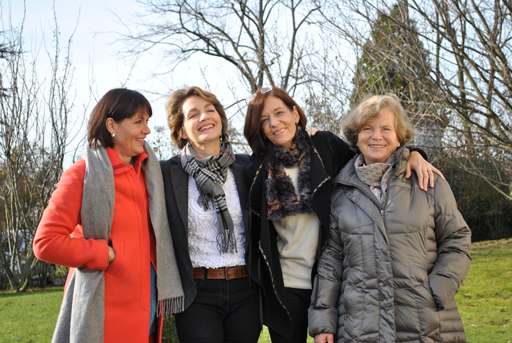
<point>171,306</point>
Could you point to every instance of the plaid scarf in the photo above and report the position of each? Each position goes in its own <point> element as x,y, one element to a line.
<point>210,174</point>
<point>281,196</point>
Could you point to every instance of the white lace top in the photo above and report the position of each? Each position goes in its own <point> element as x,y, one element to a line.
<point>204,228</point>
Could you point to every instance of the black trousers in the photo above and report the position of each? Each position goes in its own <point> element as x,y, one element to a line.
<point>298,304</point>
<point>222,312</point>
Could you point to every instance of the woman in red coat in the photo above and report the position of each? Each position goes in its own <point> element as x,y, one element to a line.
<point>107,221</point>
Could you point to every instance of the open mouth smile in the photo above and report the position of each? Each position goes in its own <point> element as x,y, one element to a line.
<point>206,127</point>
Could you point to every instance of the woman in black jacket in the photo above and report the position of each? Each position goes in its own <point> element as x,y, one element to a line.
<point>290,193</point>
<point>206,197</point>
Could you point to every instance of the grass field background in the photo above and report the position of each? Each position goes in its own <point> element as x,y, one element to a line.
<point>484,301</point>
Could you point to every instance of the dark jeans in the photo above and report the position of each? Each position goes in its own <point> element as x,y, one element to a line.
<point>223,311</point>
<point>298,304</point>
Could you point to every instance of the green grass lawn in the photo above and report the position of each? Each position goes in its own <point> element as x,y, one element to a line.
<point>484,300</point>
<point>29,316</point>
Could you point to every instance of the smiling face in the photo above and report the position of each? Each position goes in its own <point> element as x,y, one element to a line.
<point>129,135</point>
<point>278,122</point>
<point>202,126</point>
<point>377,139</point>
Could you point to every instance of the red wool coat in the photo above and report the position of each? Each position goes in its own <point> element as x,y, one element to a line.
<point>59,240</point>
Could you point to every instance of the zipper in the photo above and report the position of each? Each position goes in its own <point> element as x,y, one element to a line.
<point>382,212</point>
<point>373,198</point>
<point>145,233</point>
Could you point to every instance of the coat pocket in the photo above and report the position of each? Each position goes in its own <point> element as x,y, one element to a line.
<point>428,313</point>
<point>116,265</point>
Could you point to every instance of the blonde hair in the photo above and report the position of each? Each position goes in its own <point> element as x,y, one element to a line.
<point>370,109</point>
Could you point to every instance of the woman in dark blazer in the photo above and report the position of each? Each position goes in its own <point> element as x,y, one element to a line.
<point>206,199</point>
<point>292,233</point>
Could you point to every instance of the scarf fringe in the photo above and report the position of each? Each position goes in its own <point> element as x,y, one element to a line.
<point>227,243</point>
<point>171,306</point>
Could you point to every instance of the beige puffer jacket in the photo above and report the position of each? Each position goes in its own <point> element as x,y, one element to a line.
<point>390,274</point>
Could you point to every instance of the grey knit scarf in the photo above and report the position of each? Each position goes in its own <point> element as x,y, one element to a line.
<point>376,175</point>
<point>210,174</point>
<point>82,313</point>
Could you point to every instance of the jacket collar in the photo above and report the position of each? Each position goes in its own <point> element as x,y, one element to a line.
<point>348,176</point>
<point>119,166</point>
<point>318,177</point>
<point>179,180</point>
<point>348,173</point>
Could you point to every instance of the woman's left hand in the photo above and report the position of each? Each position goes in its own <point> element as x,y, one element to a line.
<point>423,169</point>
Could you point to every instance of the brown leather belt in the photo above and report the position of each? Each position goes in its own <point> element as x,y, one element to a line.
<point>228,273</point>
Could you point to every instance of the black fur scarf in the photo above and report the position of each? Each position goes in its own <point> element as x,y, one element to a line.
<point>281,196</point>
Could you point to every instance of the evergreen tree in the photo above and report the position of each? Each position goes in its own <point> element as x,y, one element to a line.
<point>385,66</point>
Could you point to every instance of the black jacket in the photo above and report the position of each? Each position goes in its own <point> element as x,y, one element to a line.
<point>176,198</point>
<point>329,155</point>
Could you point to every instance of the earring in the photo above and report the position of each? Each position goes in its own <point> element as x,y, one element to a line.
<point>113,135</point>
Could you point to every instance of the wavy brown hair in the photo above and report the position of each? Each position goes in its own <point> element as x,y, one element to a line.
<point>253,131</point>
<point>175,113</point>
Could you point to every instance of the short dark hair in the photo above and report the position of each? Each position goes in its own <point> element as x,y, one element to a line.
<point>175,112</point>
<point>118,104</point>
<point>252,130</point>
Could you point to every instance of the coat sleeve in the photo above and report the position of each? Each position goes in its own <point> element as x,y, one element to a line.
<point>59,237</point>
<point>453,238</point>
<point>323,312</point>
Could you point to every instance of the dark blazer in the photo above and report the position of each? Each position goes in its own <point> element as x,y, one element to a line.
<point>329,154</point>
<point>176,198</point>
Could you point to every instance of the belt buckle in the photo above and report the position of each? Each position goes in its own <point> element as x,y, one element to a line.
<point>226,274</point>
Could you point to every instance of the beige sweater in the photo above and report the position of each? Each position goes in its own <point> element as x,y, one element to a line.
<point>297,243</point>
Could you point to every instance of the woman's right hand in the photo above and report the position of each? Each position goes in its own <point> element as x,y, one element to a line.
<point>111,254</point>
<point>324,337</point>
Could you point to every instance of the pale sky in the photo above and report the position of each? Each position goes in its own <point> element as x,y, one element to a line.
<point>96,59</point>
<point>95,52</point>
<point>98,64</point>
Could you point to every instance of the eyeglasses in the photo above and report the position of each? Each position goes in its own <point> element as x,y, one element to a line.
<point>262,91</point>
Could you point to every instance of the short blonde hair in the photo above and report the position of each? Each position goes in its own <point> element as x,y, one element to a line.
<point>370,109</point>
<point>175,113</point>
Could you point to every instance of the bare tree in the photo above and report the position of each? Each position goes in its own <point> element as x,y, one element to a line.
<point>160,141</point>
<point>34,136</point>
<point>262,40</point>
<point>257,42</point>
<point>469,77</point>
